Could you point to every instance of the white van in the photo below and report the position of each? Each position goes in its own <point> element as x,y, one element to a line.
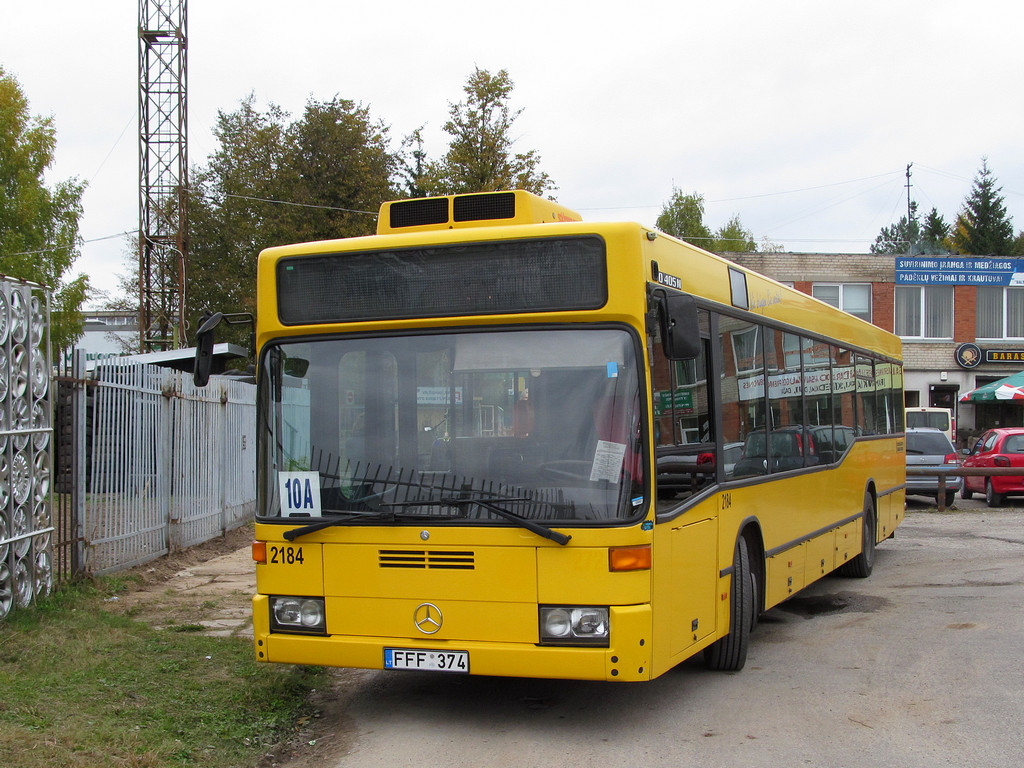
<point>936,418</point>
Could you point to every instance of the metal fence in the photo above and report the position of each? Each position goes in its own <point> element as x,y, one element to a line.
<point>957,471</point>
<point>153,464</point>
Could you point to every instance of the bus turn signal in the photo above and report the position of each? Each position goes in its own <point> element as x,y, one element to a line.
<point>629,558</point>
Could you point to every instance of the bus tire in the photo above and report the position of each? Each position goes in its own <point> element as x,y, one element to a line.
<point>860,567</point>
<point>729,653</point>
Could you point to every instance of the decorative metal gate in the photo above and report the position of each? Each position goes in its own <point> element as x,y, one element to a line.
<point>26,552</point>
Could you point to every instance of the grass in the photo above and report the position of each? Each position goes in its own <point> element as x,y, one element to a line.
<point>83,686</point>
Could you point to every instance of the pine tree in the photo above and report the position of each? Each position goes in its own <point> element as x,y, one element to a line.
<point>934,234</point>
<point>983,227</point>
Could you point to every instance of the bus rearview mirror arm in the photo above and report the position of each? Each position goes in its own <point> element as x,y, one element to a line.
<point>204,341</point>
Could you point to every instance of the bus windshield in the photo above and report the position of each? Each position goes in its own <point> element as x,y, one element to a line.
<point>540,424</point>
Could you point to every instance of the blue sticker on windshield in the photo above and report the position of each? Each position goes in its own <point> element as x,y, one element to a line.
<point>613,370</point>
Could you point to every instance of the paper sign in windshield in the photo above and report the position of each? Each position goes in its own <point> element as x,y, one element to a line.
<point>608,458</point>
<point>300,494</point>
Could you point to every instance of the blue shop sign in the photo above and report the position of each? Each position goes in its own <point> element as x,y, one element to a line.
<point>959,270</point>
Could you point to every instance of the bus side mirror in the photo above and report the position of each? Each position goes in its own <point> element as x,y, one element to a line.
<point>680,332</point>
<point>204,350</point>
<point>204,342</point>
<point>296,366</point>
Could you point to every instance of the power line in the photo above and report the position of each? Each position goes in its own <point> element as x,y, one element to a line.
<point>300,205</point>
<point>805,189</point>
<point>755,197</point>
<point>54,248</point>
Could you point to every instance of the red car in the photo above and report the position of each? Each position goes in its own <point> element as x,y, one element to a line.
<point>997,448</point>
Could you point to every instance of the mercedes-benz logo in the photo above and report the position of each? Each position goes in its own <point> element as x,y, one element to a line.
<point>427,618</point>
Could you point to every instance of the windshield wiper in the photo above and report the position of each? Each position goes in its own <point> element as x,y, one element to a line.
<point>488,504</point>
<point>345,516</point>
<point>341,516</point>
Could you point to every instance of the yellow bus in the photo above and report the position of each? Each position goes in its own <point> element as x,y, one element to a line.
<point>495,439</point>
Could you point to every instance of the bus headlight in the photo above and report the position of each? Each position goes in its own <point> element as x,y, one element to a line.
<point>571,625</point>
<point>298,614</point>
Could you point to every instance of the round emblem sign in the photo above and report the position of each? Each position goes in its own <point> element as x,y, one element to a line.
<point>968,355</point>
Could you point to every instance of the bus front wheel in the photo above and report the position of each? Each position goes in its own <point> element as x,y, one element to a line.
<point>729,653</point>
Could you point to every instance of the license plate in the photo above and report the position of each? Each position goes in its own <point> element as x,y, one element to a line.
<point>420,658</point>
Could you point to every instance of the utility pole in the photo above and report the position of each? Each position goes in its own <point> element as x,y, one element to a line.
<point>910,215</point>
<point>163,173</point>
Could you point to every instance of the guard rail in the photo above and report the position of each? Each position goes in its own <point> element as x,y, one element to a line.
<point>943,473</point>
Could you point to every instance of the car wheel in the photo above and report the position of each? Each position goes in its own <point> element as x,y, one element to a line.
<point>950,498</point>
<point>965,492</point>
<point>992,498</point>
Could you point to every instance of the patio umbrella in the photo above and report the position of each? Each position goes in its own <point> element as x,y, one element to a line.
<point>1010,388</point>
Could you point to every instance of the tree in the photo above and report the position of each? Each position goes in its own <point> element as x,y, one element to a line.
<point>683,217</point>
<point>902,237</point>
<point>934,234</point>
<point>39,239</point>
<point>1018,245</point>
<point>480,157</point>
<point>231,213</point>
<point>271,182</point>
<point>734,238</point>
<point>983,227</point>
<point>412,164</point>
<point>339,166</point>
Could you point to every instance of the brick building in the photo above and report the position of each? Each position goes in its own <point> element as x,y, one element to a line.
<point>956,336</point>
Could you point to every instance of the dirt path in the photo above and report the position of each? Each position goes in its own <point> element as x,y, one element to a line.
<point>208,586</point>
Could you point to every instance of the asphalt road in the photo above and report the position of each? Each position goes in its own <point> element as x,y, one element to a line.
<point>919,665</point>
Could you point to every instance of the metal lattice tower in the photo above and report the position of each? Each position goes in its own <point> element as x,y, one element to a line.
<point>163,172</point>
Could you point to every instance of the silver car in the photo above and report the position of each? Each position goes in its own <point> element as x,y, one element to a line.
<point>927,447</point>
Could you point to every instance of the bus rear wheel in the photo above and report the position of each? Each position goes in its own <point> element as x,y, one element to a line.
<point>860,567</point>
<point>729,653</point>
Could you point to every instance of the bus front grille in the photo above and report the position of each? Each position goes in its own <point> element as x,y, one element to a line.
<point>419,558</point>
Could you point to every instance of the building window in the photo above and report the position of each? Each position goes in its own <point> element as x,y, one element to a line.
<point>924,311</point>
<point>854,298</point>
<point>1000,312</point>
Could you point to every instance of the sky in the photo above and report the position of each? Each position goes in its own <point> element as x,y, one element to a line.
<point>800,117</point>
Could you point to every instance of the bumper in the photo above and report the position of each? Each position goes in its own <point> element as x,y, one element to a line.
<point>929,486</point>
<point>628,657</point>
<point>1008,484</point>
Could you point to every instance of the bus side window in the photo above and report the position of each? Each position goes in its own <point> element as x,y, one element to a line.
<point>844,390</point>
<point>818,410</point>
<point>743,395</point>
<point>864,370</point>
<point>792,443</point>
<point>685,451</point>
